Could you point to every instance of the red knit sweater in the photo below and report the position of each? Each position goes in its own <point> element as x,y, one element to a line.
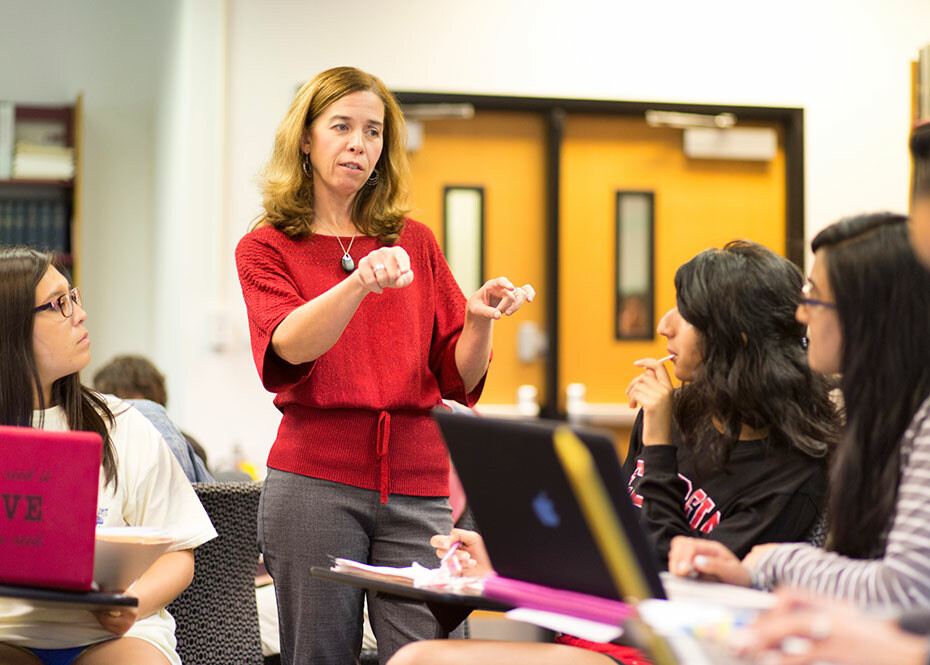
<point>359,414</point>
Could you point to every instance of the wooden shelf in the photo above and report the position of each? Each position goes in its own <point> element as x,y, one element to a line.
<point>63,115</point>
<point>36,182</point>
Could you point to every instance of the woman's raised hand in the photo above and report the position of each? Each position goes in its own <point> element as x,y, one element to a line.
<point>497,297</point>
<point>385,268</point>
<point>471,554</point>
<point>652,390</point>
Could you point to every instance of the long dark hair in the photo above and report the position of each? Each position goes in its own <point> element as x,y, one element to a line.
<point>882,296</point>
<point>742,300</point>
<point>21,270</point>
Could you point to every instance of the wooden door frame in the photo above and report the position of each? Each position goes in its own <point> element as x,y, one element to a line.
<point>554,111</point>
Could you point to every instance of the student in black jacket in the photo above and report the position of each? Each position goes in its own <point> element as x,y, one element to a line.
<point>736,453</point>
<point>756,427</point>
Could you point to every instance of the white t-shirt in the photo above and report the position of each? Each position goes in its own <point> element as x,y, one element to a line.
<point>152,491</point>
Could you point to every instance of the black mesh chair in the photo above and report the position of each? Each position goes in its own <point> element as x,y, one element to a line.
<point>217,619</point>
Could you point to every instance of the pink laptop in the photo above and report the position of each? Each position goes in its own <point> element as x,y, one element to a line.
<point>48,507</point>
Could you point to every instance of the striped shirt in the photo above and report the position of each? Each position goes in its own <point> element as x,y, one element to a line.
<point>901,576</point>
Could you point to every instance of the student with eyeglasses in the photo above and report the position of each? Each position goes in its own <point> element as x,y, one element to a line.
<point>43,347</point>
<point>837,632</point>
<point>867,310</point>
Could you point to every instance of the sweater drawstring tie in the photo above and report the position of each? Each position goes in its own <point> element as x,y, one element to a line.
<point>384,439</point>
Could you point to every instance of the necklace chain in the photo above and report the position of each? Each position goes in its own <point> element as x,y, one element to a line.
<point>345,252</point>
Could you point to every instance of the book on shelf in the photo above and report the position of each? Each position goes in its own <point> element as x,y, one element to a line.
<point>40,223</point>
<point>42,161</point>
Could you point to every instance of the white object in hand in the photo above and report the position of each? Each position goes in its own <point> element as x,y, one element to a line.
<point>123,553</point>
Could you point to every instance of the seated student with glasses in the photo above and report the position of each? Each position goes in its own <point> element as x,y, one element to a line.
<point>867,309</point>
<point>43,347</point>
<point>837,632</point>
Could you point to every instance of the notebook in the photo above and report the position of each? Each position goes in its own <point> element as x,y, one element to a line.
<point>48,507</point>
<point>526,509</point>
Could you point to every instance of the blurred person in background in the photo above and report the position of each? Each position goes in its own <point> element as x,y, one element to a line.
<point>136,380</point>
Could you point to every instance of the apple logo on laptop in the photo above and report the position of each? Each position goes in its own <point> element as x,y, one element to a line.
<point>545,510</point>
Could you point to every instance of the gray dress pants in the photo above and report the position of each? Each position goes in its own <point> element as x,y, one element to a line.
<point>304,522</point>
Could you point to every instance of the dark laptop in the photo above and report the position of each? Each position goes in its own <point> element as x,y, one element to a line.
<point>525,507</point>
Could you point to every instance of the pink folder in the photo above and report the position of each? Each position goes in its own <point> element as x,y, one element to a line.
<point>48,507</point>
<point>571,603</point>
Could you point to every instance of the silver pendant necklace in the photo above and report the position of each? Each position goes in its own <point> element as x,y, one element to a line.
<point>346,262</point>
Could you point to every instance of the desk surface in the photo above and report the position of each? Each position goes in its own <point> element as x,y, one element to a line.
<point>91,600</point>
<point>430,596</point>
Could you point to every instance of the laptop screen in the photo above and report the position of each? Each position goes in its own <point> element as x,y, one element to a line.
<point>526,510</point>
<point>48,507</point>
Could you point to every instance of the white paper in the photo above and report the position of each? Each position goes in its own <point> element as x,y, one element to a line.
<point>408,573</point>
<point>561,623</point>
<point>715,593</point>
<point>419,576</point>
<point>669,617</point>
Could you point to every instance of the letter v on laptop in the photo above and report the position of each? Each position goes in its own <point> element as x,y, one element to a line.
<point>48,507</point>
<point>527,511</point>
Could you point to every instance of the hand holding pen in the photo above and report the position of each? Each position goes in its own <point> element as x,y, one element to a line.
<point>466,549</point>
<point>449,562</point>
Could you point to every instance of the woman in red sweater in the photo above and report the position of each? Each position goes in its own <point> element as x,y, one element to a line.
<point>360,329</point>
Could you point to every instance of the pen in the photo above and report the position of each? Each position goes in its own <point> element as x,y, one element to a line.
<point>444,561</point>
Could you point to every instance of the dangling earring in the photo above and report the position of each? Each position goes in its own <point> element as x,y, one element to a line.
<point>308,171</point>
<point>374,178</point>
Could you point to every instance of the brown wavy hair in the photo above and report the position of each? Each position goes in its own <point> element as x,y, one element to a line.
<point>287,192</point>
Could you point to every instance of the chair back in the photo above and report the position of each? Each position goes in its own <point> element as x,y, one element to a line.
<point>216,616</point>
<point>817,535</point>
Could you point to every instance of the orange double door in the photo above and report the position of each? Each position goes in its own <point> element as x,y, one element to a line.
<point>697,204</point>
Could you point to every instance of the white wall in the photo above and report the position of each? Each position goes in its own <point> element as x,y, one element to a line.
<point>110,51</point>
<point>847,66</point>
<point>191,189</point>
<point>201,343</point>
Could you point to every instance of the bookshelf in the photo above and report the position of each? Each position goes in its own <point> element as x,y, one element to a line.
<point>40,178</point>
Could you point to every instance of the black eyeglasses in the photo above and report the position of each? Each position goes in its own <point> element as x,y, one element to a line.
<point>811,302</point>
<point>64,305</point>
